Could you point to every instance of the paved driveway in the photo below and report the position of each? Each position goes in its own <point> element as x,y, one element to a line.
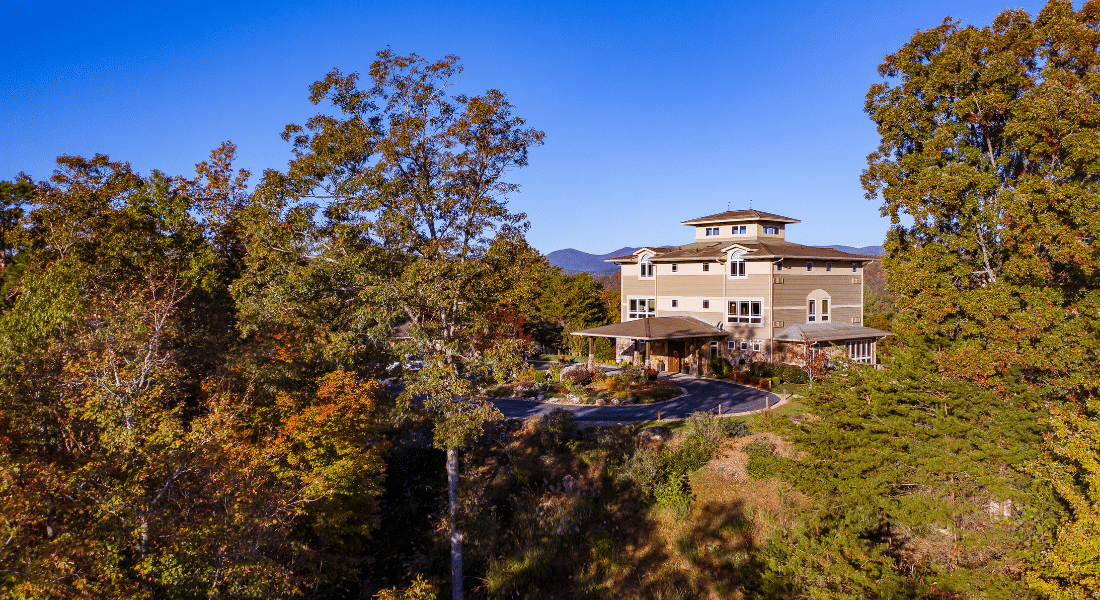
<point>702,395</point>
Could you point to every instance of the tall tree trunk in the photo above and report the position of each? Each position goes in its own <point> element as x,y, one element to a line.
<point>456,535</point>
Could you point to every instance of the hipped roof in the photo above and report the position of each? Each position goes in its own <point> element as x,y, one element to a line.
<point>755,248</point>
<point>656,328</point>
<point>740,216</point>
<point>829,332</point>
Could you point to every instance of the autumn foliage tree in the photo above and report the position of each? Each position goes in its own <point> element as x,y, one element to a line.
<point>392,213</point>
<point>138,460</point>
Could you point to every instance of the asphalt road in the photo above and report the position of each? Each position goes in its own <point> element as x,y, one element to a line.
<point>702,395</point>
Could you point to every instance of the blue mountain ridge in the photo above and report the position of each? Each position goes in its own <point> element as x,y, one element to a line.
<point>576,261</point>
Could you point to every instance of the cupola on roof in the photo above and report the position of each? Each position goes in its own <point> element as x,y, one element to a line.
<point>741,216</point>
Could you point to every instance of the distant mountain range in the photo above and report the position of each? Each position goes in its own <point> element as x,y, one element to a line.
<point>575,261</point>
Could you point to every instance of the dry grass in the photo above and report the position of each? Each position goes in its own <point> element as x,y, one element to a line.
<point>712,551</point>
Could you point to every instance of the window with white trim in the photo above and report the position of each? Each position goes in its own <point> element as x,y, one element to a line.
<point>675,268</point>
<point>737,265</point>
<point>824,309</point>
<point>641,308</point>
<point>809,266</point>
<point>811,311</point>
<point>731,345</point>
<point>713,230</point>
<point>744,311</point>
<point>706,303</point>
<point>771,230</point>
<point>740,230</point>
<point>756,345</point>
<point>744,344</point>
<point>713,349</point>
<point>675,303</point>
<point>646,270</point>
<point>706,267</point>
<point>861,351</point>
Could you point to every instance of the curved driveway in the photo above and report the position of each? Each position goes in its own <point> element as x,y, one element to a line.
<point>702,395</point>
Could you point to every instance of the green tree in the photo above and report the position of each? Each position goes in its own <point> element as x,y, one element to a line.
<point>988,169</point>
<point>921,487</point>
<point>415,231</point>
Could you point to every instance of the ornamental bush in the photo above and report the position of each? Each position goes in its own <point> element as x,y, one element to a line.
<point>720,367</point>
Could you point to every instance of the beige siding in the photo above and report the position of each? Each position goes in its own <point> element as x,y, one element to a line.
<point>753,286</point>
<point>795,288</point>
<point>701,286</point>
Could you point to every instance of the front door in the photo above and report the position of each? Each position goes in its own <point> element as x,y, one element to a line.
<point>674,361</point>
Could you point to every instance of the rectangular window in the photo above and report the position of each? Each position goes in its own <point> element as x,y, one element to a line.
<point>713,349</point>
<point>737,268</point>
<point>744,311</point>
<point>706,303</point>
<point>731,345</point>
<point>811,314</point>
<point>740,230</point>
<point>647,270</point>
<point>771,230</point>
<point>755,346</point>
<point>855,268</point>
<point>706,267</point>
<point>860,350</point>
<point>641,308</point>
<point>809,266</point>
<point>828,267</point>
<point>675,303</point>
<point>824,309</point>
<point>675,268</point>
<point>744,345</point>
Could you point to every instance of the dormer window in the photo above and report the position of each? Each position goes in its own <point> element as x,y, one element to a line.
<point>713,230</point>
<point>740,229</point>
<point>646,268</point>
<point>771,230</point>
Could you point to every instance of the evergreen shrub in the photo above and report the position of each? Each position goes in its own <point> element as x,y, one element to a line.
<point>720,367</point>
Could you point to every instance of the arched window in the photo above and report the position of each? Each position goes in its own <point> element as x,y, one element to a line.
<point>737,265</point>
<point>817,306</point>
<point>646,269</point>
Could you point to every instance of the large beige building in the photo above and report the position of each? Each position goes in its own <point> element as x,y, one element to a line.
<point>740,290</point>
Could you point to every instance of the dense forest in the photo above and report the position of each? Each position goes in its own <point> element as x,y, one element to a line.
<point>219,388</point>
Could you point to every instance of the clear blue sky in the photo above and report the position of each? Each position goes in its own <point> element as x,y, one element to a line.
<point>654,112</point>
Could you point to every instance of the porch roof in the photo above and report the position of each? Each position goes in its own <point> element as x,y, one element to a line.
<point>829,332</point>
<point>655,328</point>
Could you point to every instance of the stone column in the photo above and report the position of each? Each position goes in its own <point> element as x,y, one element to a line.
<point>591,354</point>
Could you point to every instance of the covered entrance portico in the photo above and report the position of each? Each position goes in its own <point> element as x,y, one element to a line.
<point>678,344</point>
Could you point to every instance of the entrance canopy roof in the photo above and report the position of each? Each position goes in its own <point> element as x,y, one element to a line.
<point>829,332</point>
<point>656,328</point>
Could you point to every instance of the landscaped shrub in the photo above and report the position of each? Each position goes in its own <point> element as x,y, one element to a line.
<point>615,383</point>
<point>539,377</point>
<point>720,367</point>
<point>577,376</point>
<point>793,374</point>
<point>633,374</point>
<point>775,381</point>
